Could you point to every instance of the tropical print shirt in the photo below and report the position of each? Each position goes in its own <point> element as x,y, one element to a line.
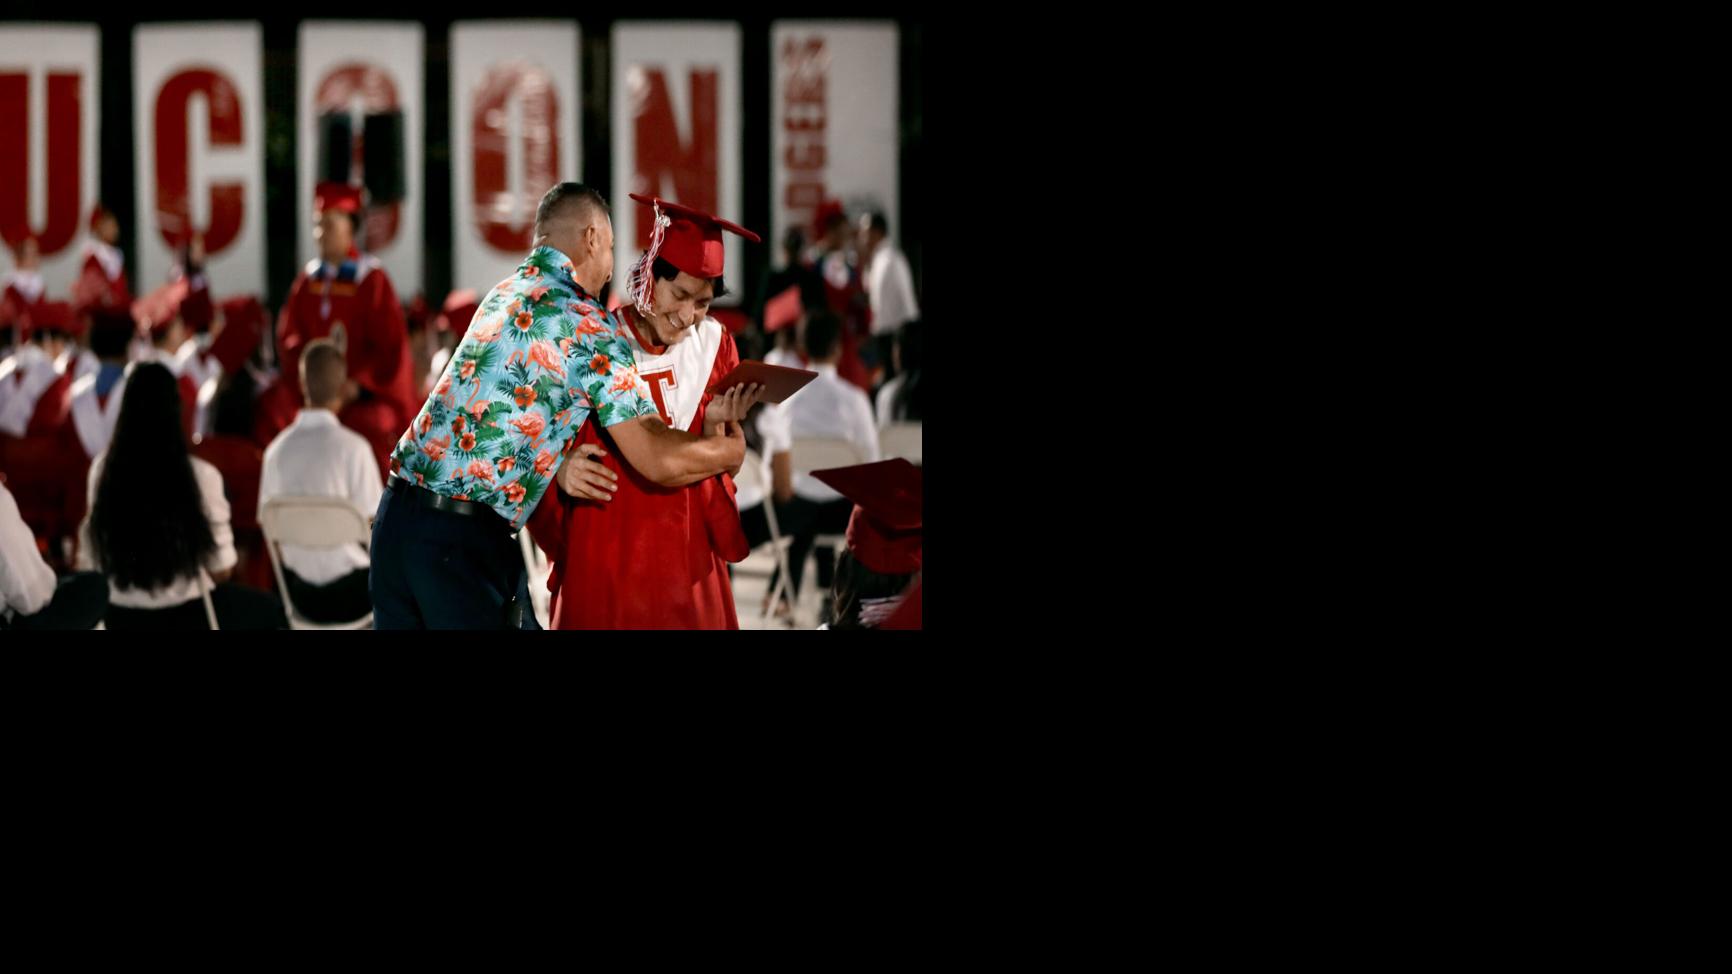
<point>540,357</point>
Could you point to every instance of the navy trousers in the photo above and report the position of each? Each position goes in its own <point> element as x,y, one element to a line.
<point>433,569</point>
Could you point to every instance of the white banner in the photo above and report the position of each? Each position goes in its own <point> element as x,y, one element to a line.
<point>49,119</point>
<point>676,133</point>
<point>514,134</point>
<point>361,68</point>
<point>198,139</point>
<point>833,99</point>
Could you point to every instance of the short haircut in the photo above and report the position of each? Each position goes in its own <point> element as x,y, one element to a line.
<point>568,200</point>
<point>323,370</point>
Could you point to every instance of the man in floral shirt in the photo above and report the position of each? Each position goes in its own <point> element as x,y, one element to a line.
<point>542,355</point>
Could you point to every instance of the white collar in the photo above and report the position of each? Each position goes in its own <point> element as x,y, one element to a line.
<point>28,283</point>
<point>108,256</point>
<point>27,355</point>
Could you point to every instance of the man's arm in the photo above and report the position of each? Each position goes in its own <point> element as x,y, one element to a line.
<point>730,407</point>
<point>604,371</point>
<point>586,478</point>
<point>674,458</point>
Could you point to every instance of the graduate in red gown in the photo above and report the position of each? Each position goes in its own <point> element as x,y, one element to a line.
<point>657,557</point>
<point>346,295</point>
<point>844,292</point>
<point>878,579</point>
<point>102,281</point>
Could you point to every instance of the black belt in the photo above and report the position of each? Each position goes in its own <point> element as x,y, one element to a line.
<point>422,497</point>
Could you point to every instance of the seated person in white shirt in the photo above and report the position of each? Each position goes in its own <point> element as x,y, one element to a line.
<point>829,407</point>
<point>158,526</point>
<point>319,457</point>
<point>30,596</point>
<point>900,400</point>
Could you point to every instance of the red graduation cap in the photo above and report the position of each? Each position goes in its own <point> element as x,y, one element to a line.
<point>243,323</point>
<point>458,312</point>
<point>689,239</point>
<point>337,196</point>
<point>783,310</point>
<point>155,310</point>
<point>884,533</point>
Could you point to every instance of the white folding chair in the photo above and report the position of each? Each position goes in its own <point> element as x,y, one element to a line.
<point>311,522</point>
<point>900,440</point>
<point>753,474</point>
<point>822,454</point>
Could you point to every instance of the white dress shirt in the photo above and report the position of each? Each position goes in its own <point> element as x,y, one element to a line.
<point>787,358</point>
<point>316,456</point>
<point>829,407</point>
<point>890,290</point>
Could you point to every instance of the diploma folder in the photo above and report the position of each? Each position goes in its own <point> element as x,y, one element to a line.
<point>779,383</point>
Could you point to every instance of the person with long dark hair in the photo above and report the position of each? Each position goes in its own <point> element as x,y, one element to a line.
<point>159,524</point>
